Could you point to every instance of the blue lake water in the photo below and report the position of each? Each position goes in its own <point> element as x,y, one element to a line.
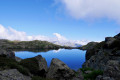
<point>74,58</point>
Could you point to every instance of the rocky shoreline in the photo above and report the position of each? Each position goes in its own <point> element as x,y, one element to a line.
<point>105,56</point>
<point>28,69</point>
<point>102,63</point>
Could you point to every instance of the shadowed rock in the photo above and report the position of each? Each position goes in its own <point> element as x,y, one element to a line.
<point>106,57</point>
<point>7,53</point>
<point>59,70</point>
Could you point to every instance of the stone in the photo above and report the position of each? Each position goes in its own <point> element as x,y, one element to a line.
<point>60,71</point>
<point>12,74</point>
<point>7,53</point>
<point>112,69</point>
<point>36,65</point>
<point>42,63</point>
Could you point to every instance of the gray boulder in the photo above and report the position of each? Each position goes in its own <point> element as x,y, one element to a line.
<point>42,63</point>
<point>7,53</point>
<point>12,74</point>
<point>59,71</point>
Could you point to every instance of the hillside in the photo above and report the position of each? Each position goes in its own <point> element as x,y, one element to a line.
<point>7,44</point>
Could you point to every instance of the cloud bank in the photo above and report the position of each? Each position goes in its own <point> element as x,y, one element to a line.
<point>93,9</point>
<point>12,34</point>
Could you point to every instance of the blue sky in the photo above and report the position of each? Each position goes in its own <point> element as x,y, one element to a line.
<point>45,17</point>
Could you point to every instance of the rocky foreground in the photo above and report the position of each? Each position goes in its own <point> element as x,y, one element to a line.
<point>14,68</point>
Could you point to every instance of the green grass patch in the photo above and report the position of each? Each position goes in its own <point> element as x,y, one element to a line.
<point>92,75</point>
<point>86,69</point>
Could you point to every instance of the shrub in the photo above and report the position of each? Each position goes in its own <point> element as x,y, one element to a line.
<point>101,45</point>
<point>93,74</point>
<point>86,69</point>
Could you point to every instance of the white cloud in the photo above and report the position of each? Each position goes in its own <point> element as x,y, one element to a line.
<point>12,34</point>
<point>93,9</point>
<point>59,37</point>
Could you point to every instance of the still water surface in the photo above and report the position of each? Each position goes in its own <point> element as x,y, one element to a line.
<point>74,58</point>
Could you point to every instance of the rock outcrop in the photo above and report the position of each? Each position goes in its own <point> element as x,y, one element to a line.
<point>12,74</point>
<point>36,65</point>
<point>7,53</point>
<point>42,63</point>
<point>105,56</point>
<point>59,71</point>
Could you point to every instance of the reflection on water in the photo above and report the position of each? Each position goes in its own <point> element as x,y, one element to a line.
<point>74,58</point>
<point>56,51</point>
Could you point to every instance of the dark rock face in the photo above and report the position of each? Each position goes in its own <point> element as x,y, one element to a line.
<point>7,53</point>
<point>106,58</point>
<point>42,63</point>
<point>12,74</point>
<point>59,71</point>
<point>109,40</point>
<point>36,65</point>
<point>89,53</point>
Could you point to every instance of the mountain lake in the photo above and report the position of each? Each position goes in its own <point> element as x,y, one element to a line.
<point>74,58</point>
